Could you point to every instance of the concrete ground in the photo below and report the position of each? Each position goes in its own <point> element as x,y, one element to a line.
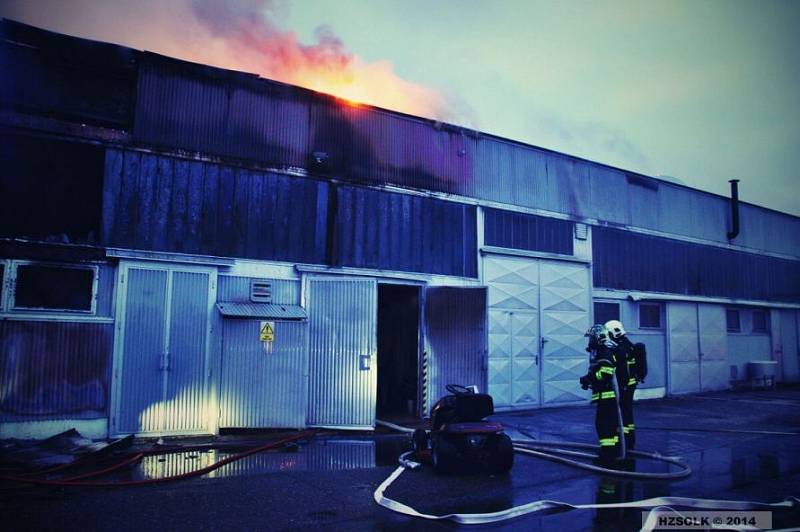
<point>738,445</point>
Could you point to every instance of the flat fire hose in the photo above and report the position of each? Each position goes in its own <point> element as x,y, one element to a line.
<point>538,506</point>
<point>550,450</point>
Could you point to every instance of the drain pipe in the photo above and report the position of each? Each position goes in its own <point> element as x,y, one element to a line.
<point>734,209</point>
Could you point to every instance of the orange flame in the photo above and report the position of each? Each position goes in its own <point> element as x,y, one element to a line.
<point>251,41</point>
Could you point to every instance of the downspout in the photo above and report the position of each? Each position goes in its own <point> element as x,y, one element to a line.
<point>734,232</point>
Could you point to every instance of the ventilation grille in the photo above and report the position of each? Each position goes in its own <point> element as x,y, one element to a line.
<point>581,231</point>
<point>260,291</point>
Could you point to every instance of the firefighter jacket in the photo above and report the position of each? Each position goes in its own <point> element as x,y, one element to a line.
<point>600,375</point>
<point>626,363</point>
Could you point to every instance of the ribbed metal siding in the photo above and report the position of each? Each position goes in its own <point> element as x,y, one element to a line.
<point>237,289</point>
<point>342,349</point>
<point>665,265</point>
<point>524,231</point>
<point>141,379</point>
<point>390,231</point>
<point>203,109</point>
<point>238,115</point>
<point>261,389</point>
<point>455,338</point>
<point>54,370</point>
<point>166,204</point>
<point>185,401</point>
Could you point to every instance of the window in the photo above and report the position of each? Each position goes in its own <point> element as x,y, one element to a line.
<point>54,287</point>
<point>732,316</point>
<point>649,316</point>
<point>760,321</point>
<point>605,311</point>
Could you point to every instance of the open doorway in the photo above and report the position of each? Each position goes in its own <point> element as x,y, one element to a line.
<point>398,350</point>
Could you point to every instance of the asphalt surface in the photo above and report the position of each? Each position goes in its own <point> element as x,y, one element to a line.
<point>734,442</point>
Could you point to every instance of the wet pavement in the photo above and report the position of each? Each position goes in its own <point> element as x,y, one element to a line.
<point>741,446</point>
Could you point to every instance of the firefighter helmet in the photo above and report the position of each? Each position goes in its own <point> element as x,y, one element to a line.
<point>598,333</point>
<point>615,329</point>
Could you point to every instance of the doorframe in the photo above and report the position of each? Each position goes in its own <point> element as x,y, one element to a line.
<point>118,355</point>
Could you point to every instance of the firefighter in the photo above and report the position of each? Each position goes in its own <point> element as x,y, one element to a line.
<point>601,379</point>
<point>627,371</point>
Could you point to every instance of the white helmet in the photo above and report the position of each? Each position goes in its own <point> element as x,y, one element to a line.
<point>615,329</point>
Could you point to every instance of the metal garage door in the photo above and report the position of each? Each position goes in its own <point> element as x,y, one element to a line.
<point>161,350</point>
<point>538,313</point>
<point>342,351</point>
<point>455,338</point>
<point>698,349</point>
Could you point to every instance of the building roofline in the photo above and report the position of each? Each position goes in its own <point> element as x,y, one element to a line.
<point>249,77</point>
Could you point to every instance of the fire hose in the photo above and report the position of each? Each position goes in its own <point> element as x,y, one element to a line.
<point>78,480</point>
<point>551,450</point>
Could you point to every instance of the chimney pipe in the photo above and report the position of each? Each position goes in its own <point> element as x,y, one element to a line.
<point>734,209</point>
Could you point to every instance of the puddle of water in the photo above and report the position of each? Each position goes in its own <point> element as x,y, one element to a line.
<point>317,455</point>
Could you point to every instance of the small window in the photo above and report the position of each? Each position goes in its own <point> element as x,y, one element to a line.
<point>605,311</point>
<point>732,316</point>
<point>760,321</point>
<point>649,316</point>
<point>52,287</point>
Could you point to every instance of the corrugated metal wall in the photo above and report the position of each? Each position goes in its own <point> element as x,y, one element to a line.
<point>56,75</point>
<point>167,204</point>
<point>237,289</point>
<point>376,229</point>
<point>342,349</point>
<point>263,388</point>
<point>524,231</point>
<point>663,265</point>
<point>269,122</point>
<point>54,370</point>
<point>455,339</point>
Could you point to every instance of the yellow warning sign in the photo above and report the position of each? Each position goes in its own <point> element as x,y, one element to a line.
<point>267,333</point>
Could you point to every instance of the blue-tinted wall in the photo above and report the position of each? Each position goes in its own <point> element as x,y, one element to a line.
<point>525,231</point>
<point>631,261</point>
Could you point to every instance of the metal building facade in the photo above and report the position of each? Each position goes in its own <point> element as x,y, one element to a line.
<point>205,180</point>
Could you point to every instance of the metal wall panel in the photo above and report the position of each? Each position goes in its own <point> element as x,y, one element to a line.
<point>54,370</point>
<point>565,301</point>
<point>513,300</point>
<point>50,74</point>
<point>237,289</point>
<point>665,265</point>
<point>167,204</point>
<point>141,379</point>
<point>264,388</point>
<point>712,327</point>
<point>383,230</point>
<point>455,338</point>
<point>524,231</point>
<point>342,352</point>
<point>684,351</point>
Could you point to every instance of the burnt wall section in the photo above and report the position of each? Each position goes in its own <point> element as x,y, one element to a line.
<point>54,75</point>
<point>166,204</point>
<point>629,261</point>
<point>527,232</point>
<point>389,231</point>
<point>54,370</point>
<point>51,190</point>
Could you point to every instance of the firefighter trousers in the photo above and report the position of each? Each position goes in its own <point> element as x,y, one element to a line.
<point>626,407</point>
<point>606,423</point>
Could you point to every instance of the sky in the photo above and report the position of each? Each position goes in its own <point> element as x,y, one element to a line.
<point>701,91</point>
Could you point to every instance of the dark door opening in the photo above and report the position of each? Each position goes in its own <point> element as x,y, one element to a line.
<point>398,350</point>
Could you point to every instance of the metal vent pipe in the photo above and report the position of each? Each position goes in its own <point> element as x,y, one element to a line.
<point>734,209</point>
